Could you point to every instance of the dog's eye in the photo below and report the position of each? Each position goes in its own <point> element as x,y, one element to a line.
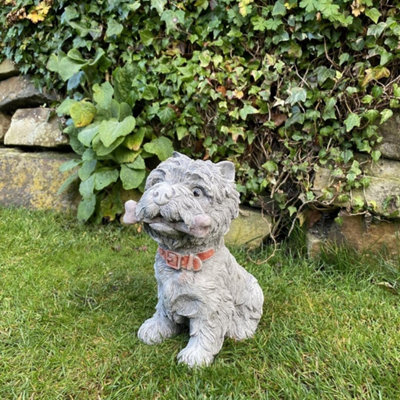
<point>197,192</point>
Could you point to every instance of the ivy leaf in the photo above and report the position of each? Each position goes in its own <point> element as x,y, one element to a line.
<point>131,178</point>
<point>102,95</point>
<point>173,18</point>
<point>246,110</point>
<point>279,9</point>
<point>166,114</point>
<point>114,28</point>
<point>375,74</point>
<point>110,130</point>
<point>82,113</point>
<point>161,146</point>
<point>104,178</point>
<point>385,115</point>
<point>158,5</point>
<point>373,13</point>
<point>352,121</point>
<point>64,66</point>
<point>150,92</point>
<point>296,95</point>
<point>270,166</point>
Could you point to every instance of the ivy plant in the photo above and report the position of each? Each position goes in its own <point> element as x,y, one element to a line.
<point>281,88</point>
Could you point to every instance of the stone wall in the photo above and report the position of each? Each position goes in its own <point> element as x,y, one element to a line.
<point>377,230</point>
<point>32,146</point>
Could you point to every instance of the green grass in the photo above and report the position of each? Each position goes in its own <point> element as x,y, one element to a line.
<point>72,298</point>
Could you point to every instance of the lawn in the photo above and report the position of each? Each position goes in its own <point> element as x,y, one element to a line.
<point>73,297</point>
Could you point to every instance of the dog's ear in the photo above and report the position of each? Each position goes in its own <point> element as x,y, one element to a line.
<point>227,170</point>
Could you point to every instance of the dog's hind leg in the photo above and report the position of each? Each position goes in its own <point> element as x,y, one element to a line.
<point>206,340</point>
<point>157,328</point>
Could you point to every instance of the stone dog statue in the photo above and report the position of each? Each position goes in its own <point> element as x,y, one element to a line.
<point>187,208</point>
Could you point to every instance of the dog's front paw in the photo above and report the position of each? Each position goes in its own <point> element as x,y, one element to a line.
<point>156,329</point>
<point>195,356</point>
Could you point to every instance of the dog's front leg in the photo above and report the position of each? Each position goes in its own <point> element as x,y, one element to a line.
<point>206,339</point>
<point>157,328</point>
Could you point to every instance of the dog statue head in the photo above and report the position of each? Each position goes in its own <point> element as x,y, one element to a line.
<point>187,203</point>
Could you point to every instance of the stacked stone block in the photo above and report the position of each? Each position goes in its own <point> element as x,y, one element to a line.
<point>32,145</point>
<point>376,230</point>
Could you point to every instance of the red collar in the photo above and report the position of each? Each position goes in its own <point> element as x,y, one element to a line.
<point>190,262</point>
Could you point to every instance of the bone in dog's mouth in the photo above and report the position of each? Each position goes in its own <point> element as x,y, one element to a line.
<point>199,227</point>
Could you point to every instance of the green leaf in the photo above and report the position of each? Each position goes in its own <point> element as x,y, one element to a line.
<point>64,107</point>
<point>67,183</point>
<point>104,178</point>
<point>64,65</point>
<point>150,92</point>
<point>137,164</point>
<point>292,210</point>
<point>296,95</point>
<point>110,130</point>
<point>205,58</point>
<point>352,121</point>
<point>270,166</point>
<point>161,146</point>
<point>246,110</point>
<point>68,165</point>
<point>131,178</point>
<point>123,155</point>
<point>102,150</point>
<point>173,18</point>
<point>158,5</point>
<point>279,9</point>
<point>376,155</point>
<point>86,187</point>
<point>87,169</point>
<point>102,95</point>
<point>114,28</point>
<point>133,142</point>
<point>385,115</point>
<point>166,115</point>
<point>86,208</point>
<point>82,113</point>
<point>373,13</point>
<point>86,135</point>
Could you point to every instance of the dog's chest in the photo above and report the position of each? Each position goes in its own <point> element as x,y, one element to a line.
<point>182,292</point>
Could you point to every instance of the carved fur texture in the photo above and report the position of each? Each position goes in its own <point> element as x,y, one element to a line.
<point>187,208</point>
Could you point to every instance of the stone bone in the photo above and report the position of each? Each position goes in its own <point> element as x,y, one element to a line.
<point>187,208</point>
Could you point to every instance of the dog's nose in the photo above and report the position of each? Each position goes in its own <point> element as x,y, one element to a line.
<point>162,194</point>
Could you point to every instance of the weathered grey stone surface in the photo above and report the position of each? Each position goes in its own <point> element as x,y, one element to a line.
<point>249,229</point>
<point>380,195</point>
<point>356,231</point>
<point>19,92</point>
<point>7,69</point>
<point>5,121</point>
<point>32,180</point>
<point>187,209</point>
<point>35,127</point>
<point>390,145</point>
